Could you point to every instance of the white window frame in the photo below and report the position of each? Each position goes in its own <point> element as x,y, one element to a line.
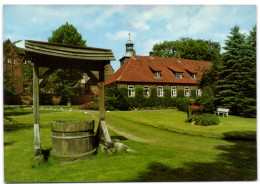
<point>160,91</point>
<point>187,91</point>
<point>131,91</point>
<point>26,89</point>
<point>8,60</point>
<point>198,92</point>
<point>178,75</point>
<point>157,75</point>
<point>83,80</point>
<point>147,88</point>
<point>194,76</point>
<point>173,91</point>
<point>14,61</point>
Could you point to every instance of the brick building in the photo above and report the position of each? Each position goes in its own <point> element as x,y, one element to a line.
<point>157,72</point>
<point>13,62</point>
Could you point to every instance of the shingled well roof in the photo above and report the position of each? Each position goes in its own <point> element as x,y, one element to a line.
<point>141,69</point>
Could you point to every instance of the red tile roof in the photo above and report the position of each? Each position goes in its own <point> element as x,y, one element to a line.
<point>141,69</point>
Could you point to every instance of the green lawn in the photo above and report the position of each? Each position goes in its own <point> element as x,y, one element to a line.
<point>176,151</point>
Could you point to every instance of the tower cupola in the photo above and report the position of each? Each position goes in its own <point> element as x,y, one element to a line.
<point>129,50</point>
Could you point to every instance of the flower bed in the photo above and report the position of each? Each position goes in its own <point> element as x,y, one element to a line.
<point>196,109</point>
<point>89,106</point>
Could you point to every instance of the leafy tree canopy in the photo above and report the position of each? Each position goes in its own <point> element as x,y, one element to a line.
<point>64,81</point>
<point>67,34</point>
<point>188,48</point>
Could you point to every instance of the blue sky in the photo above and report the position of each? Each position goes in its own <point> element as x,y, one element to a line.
<point>107,26</point>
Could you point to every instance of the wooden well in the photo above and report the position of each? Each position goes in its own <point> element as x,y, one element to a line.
<point>72,140</point>
<point>54,56</point>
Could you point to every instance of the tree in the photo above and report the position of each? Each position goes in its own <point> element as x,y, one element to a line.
<point>187,48</point>
<point>64,81</point>
<point>247,93</point>
<point>236,84</point>
<point>67,34</point>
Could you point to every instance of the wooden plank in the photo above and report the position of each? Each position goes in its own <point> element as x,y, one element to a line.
<point>102,104</point>
<point>46,74</point>
<point>36,116</point>
<point>65,47</point>
<point>96,54</point>
<point>91,75</point>
<point>71,56</point>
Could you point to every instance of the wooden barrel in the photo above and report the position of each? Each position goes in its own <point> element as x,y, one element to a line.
<point>72,140</point>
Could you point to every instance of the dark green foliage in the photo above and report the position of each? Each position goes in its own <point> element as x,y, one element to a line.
<point>46,99</point>
<point>183,104</point>
<point>180,93</point>
<point>168,101</point>
<point>203,50</point>
<point>236,87</point>
<point>139,97</point>
<point>193,93</point>
<point>204,119</point>
<point>207,99</point>
<point>116,98</point>
<point>153,98</point>
<point>63,81</point>
<point>67,34</point>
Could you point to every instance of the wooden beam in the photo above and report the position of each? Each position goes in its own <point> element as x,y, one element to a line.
<point>36,116</point>
<point>91,75</point>
<point>46,74</point>
<point>102,125</point>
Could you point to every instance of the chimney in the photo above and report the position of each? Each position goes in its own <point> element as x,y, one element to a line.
<point>134,53</point>
<point>151,54</point>
<point>179,56</point>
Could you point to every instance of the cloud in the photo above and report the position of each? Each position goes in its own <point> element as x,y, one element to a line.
<point>124,34</point>
<point>140,25</point>
<point>148,45</point>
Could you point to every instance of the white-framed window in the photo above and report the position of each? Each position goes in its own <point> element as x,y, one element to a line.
<point>24,62</point>
<point>147,92</point>
<point>131,90</point>
<point>160,91</point>
<point>8,60</point>
<point>26,89</point>
<point>157,75</point>
<point>187,91</point>
<point>178,75</point>
<point>198,92</point>
<point>194,76</point>
<point>83,80</point>
<point>173,91</point>
<point>14,61</point>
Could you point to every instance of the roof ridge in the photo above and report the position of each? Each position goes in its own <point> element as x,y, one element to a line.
<point>124,70</point>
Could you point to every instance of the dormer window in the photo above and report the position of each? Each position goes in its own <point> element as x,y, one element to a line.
<point>157,75</point>
<point>194,76</point>
<point>178,75</point>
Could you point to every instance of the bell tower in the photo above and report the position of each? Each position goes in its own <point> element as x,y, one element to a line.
<point>129,51</point>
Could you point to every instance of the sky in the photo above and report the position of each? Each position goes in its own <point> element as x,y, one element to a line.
<point>108,26</point>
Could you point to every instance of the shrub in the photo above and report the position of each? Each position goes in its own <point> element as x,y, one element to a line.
<point>183,104</point>
<point>116,98</point>
<point>207,99</point>
<point>204,119</point>
<point>193,93</point>
<point>180,93</point>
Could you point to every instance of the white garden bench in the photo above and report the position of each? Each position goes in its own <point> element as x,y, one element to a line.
<point>221,111</point>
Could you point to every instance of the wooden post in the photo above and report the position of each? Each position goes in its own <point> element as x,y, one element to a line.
<point>102,125</point>
<point>37,143</point>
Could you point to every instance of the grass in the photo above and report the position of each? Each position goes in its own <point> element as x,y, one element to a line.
<point>177,151</point>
